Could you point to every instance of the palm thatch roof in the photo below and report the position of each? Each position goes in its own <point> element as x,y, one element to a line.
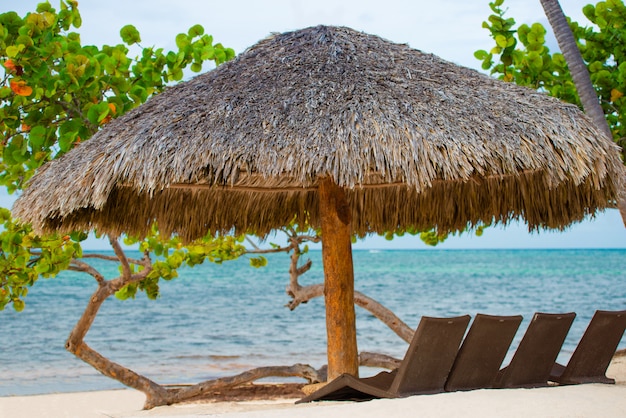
<point>416,141</point>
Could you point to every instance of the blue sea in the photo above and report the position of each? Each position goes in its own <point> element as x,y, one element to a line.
<point>220,320</point>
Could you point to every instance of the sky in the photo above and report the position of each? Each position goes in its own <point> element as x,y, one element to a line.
<point>451,29</point>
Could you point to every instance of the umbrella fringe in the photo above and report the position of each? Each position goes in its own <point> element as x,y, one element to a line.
<point>446,206</point>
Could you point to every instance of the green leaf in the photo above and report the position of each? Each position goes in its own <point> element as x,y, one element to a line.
<point>18,305</point>
<point>176,75</point>
<point>13,50</point>
<point>67,140</point>
<point>501,41</point>
<point>98,112</point>
<point>127,292</point>
<point>42,267</point>
<point>27,41</point>
<point>182,41</point>
<point>259,261</point>
<point>535,62</point>
<point>130,35</point>
<point>79,236</point>
<point>37,136</point>
<point>195,30</point>
<point>138,93</point>
<point>481,54</point>
<point>589,11</point>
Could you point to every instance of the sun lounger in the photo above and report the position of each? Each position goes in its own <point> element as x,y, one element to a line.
<point>537,352</point>
<point>478,362</point>
<point>594,352</point>
<point>424,368</point>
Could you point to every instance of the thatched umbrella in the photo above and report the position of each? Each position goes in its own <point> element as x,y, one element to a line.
<point>341,129</point>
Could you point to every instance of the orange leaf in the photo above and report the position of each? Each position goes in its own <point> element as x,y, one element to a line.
<point>112,110</point>
<point>9,65</point>
<point>20,88</point>
<point>13,68</point>
<point>25,128</point>
<point>616,94</point>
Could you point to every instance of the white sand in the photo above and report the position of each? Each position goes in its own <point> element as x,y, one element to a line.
<point>592,400</point>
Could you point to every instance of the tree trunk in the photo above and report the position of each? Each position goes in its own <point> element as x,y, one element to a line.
<point>580,75</point>
<point>76,342</point>
<point>338,280</point>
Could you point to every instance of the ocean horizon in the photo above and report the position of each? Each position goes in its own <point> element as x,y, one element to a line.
<point>220,320</point>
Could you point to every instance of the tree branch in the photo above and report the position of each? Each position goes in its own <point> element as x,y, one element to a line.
<point>302,294</point>
<point>117,248</point>
<point>80,266</point>
<point>111,258</point>
<point>270,250</point>
<point>385,315</point>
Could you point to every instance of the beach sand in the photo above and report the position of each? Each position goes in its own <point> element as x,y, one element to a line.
<point>590,400</point>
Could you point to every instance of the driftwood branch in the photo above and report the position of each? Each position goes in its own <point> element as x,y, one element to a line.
<point>297,370</point>
<point>378,360</point>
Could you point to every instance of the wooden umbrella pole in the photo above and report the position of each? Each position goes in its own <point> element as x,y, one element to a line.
<point>338,280</point>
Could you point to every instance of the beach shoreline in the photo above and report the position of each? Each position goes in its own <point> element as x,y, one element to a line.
<point>589,400</point>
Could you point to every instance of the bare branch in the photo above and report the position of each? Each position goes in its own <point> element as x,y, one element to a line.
<point>152,390</point>
<point>121,256</point>
<point>111,258</point>
<point>310,238</point>
<point>256,247</point>
<point>303,294</point>
<point>385,315</point>
<point>270,250</point>
<point>304,268</point>
<point>77,265</point>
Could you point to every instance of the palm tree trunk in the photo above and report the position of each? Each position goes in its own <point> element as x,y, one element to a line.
<point>580,75</point>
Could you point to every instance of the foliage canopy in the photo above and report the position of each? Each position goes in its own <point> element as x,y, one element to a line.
<point>521,56</point>
<point>55,93</point>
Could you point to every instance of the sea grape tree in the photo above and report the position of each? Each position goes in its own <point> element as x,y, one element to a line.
<point>56,92</point>
<point>520,55</point>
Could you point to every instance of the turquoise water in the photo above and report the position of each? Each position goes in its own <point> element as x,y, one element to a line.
<point>218,320</point>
